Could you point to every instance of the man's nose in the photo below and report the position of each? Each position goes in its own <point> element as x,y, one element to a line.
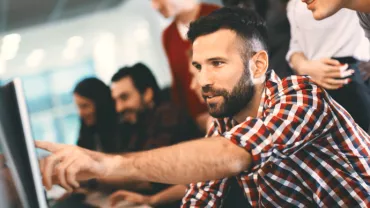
<point>205,77</point>
<point>120,107</point>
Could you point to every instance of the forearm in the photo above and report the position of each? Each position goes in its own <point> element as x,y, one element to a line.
<point>198,160</point>
<point>296,61</point>
<point>172,194</point>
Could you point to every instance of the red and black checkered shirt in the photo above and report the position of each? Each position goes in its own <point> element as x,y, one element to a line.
<point>306,151</point>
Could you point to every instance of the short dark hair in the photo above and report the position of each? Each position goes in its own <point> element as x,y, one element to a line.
<point>239,3</point>
<point>260,6</point>
<point>142,78</point>
<point>246,23</point>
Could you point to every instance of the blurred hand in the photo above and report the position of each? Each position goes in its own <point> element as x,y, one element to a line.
<point>365,70</point>
<point>68,164</point>
<point>128,196</point>
<point>328,73</point>
<point>76,191</point>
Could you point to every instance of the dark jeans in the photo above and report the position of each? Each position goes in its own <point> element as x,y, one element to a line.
<point>355,96</point>
<point>235,196</point>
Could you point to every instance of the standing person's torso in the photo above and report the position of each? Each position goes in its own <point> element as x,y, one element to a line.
<point>177,49</point>
<point>337,36</point>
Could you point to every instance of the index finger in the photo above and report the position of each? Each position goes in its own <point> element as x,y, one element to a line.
<point>49,146</point>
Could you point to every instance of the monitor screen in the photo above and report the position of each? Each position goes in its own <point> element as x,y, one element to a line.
<point>18,146</point>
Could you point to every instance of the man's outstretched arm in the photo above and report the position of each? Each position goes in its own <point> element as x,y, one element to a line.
<point>184,163</point>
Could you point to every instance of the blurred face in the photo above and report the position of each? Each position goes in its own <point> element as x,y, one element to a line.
<point>324,8</point>
<point>226,83</point>
<point>86,109</point>
<point>168,8</point>
<point>129,102</point>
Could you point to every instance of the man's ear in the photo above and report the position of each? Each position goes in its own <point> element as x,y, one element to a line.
<point>148,96</point>
<point>261,64</point>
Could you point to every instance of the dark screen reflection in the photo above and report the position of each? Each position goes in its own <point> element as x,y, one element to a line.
<point>8,194</point>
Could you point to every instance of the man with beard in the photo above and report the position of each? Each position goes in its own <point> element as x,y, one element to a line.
<point>286,141</point>
<point>147,123</point>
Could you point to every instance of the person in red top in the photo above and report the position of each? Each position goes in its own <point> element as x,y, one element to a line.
<point>177,48</point>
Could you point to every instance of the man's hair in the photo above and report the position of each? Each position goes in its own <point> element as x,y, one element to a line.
<point>239,3</point>
<point>247,24</point>
<point>142,78</point>
<point>260,6</point>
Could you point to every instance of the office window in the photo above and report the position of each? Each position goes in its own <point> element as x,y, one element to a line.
<point>50,102</point>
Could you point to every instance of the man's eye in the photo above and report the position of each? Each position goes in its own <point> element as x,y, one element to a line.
<point>123,97</point>
<point>198,66</point>
<point>217,63</point>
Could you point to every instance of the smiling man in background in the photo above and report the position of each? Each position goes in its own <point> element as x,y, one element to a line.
<point>148,122</point>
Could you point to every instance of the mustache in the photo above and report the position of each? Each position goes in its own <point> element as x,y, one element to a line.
<point>123,113</point>
<point>215,92</point>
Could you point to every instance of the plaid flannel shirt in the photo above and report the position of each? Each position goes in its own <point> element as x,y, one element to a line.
<point>306,152</point>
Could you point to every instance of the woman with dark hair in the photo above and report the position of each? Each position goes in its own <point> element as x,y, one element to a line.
<point>98,116</point>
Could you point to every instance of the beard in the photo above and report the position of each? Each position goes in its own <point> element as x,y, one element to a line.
<point>133,115</point>
<point>234,101</point>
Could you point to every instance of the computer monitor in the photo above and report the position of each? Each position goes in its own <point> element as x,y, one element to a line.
<point>18,146</point>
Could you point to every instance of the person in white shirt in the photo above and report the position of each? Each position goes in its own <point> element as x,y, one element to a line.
<point>322,9</point>
<point>329,51</point>
<point>325,8</point>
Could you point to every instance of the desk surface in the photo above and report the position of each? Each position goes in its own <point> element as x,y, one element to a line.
<point>99,199</point>
<point>93,198</point>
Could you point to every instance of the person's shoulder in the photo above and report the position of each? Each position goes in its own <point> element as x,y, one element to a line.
<point>167,108</point>
<point>169,29</point>
<point>290,5</point>
<point>296,90</point>
<point>296,80</point>
<point>294,84</point>
<point>207,8</point>
<point>168,113</point>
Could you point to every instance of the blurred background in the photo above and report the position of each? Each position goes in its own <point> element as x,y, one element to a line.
<point>52,44</point>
